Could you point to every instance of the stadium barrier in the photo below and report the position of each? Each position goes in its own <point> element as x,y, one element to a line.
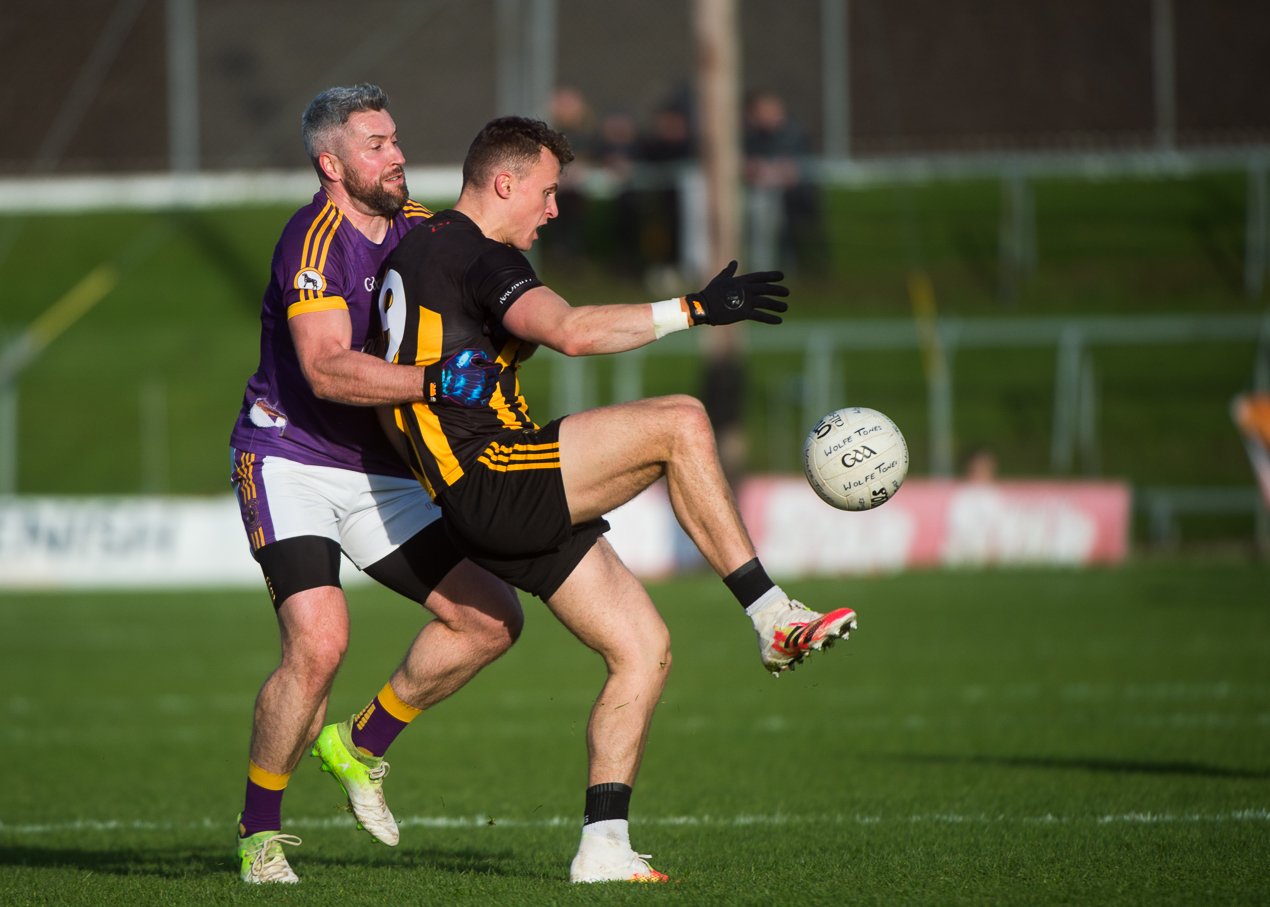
<point>939,523</point>
<point>147,542</point>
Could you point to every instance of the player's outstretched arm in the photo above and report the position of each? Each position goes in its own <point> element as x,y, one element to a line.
<point>543,317</point>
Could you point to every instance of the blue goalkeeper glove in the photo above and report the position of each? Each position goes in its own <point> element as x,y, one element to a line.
<point>465,379</point>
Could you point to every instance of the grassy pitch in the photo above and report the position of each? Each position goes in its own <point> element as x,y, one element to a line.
<point>1011,737</point>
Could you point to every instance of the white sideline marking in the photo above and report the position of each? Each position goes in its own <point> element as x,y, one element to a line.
<point>1130,818</point>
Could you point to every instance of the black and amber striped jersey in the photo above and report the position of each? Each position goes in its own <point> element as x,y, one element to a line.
<point>321,262</point>
<point>444,292</point>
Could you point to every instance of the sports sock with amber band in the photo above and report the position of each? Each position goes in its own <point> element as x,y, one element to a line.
<point>377,726</point>
<point>262,808</point>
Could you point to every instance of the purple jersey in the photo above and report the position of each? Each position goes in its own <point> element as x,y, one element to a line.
<point>321,262</point>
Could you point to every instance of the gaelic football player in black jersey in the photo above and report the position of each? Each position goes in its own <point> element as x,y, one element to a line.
<point>527,502</point>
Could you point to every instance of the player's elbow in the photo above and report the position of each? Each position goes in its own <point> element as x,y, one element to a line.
<point>323,390</point>
<point>320,383</point>
<point>576,345</point>
<point>578,339</point>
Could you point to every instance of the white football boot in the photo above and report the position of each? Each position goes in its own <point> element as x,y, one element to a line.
<point>613,864</point>
<point>788,631</point>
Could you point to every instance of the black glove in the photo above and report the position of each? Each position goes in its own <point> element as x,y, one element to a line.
<point>729,298</point>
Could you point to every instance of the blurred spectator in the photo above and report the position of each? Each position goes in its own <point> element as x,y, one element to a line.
<point>979,465</point>
<point>616,148</point>
<point>783,211</point>
<point>664,151</point>
<point>617,145</point>
<point>571,115</point>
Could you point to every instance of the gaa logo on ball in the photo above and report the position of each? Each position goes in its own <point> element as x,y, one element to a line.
<point>855,458</point>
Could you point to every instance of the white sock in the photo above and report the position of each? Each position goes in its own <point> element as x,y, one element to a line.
<point>606,833</point>
<point>771,596</point>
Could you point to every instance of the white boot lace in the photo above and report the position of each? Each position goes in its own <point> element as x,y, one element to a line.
<point>270,864</point>
<point>378,773</point>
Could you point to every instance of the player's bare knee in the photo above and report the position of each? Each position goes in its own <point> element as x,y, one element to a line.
<point>646,653</point>
<point>314,658</point>
<point>498,633</point>
<point>691,425</point>
<point>509,616</point>
<point>686,412</point>
<point>655,669</point>
<point>680,407</point>
<point>494,625</point>
<point>513,624</point>
<point>664,662</point>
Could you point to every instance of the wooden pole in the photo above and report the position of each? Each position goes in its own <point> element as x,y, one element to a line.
<point>718,44</point>
<point>719,103</point>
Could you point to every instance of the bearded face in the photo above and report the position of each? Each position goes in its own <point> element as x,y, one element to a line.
<point>383,194</point>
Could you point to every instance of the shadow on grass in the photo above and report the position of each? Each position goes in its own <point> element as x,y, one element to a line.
<point>192,862</point>
<point>1089,764</point>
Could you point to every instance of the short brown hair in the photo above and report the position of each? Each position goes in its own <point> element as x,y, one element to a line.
<point>513,143</point>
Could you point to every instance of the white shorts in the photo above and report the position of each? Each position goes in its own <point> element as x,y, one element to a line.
<point>368,516</point>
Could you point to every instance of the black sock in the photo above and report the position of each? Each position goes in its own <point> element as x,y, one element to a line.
<point>748,582</point>
<point>607,801</point>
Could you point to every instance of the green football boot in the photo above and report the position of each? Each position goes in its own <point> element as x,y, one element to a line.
<point>261,860</point>
<point>362,779</point>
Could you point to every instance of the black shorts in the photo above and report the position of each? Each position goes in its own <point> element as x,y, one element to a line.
<point>509,513</point>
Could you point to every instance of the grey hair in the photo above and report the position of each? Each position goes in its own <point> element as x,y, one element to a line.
<point>331,110</point>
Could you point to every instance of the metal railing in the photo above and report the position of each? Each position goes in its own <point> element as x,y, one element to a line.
<point>822,345</point>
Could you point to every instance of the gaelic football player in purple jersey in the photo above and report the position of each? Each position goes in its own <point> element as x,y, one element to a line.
<point>315,476</point>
